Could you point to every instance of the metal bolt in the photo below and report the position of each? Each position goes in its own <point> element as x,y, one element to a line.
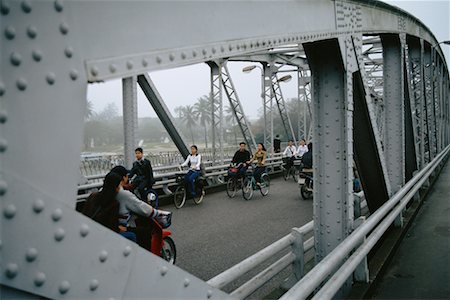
<point>11,270</point>
<point>204,51</point>
<point>64,287</point>
<point>4,8</point>
<point>59,5</point>
<point>213,50</point>
<point>16,59</point>
<point>2,91</point>
<point>59,234</point>
<point>183,55</point>
<point>171,57</point>
<point>37,55</point>
<point>21,84</point>
<point>158,59</point>
<point>26,6</point>
<point>186,282</point>
<point>103,256</point>
<point>57,214</point>
<point>112,68</point>
<point>10,211</point>
<point>94,71</point>
<point>230,47</point>
<point>194,53</point>
<point>222,49</point>
<point>164,271</point>
<point>144,62</point>
<point>127,251</point>
<point>31,32</point>
<point>84,230</point>
<point>73,74</point>
<point>64,28</point>
<point>209,294</point>
<point>51,77</point>
<point>130,65</point>
<point>68,52</point>
<point>93,285</point>
<point>3,187</point>
<point>39,279</point>
<point>38,206</point>
<point>10,32</point>
<point>31,254</point>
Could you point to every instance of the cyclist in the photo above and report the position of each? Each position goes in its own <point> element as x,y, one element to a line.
<point>260,156</point>
<point>290,153</point>
<point>302,148</point>
<point>193,160</point>
<point>240,158</point>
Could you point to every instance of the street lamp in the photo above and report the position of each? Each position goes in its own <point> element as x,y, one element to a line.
<point>285,78</point>
<point>443,42</point>
<point>248,69</point>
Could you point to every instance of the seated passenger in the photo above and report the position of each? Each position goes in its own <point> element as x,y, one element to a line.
<point>241,157</point>
<point>193,160</point>
<point>307,158</point>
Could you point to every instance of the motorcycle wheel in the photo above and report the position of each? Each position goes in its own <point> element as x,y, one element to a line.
<point>169,251</point>
<point>305,192</point>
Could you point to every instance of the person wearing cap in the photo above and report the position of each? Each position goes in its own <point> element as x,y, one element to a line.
<point>131,206</point>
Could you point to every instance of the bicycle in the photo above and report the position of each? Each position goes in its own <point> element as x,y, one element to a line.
<point>181,194</point>
<point>250,185</point>
<point>235,181</point>
<point>293,169</point>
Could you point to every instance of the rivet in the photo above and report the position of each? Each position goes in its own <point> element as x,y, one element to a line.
<point>171,57</point>
<point>59,5</point>
<point>164,271</point>
<point>222,49</point>
<point>51,77</point>
<point>16,58</point>
<point>10,211</point>
<point>130,65</point>
<point>31,32</point>
<point>213,50</point>
<point>39,279</point>
<point>38,206</point>
<point>183,55</point>
<point>209,294</point>
<point>3,187</point>
<point>31,254</point>
<point>2,89</point>
<point>93,285</point>
<point>204,51</point>
<point>57,215</point>
<point>127,251</point>
<point>37,55</point>
<point>3,145</point>
<point>64,28</point>
<point>59,234</point>
<point>230,47</point>
<point>11,270</point>
<point>144,62</point>
<point>64,287</point>
<point>21,84</point>
<point>238,47</point>
<point>186,282</point>
<point>158,59</point>
<point>73,74</point>
<point>112,68</point>
<point>103,256</point>
<point>26,6</point>
<point>10,32</point>
<point>194,53</point>
<point>68,52</point>
<point>4,8</point>
<point>94,71</point>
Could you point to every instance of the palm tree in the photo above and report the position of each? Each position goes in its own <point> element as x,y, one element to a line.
<point>188,118</point>
<point>202,110</point>
<point>89,110</point>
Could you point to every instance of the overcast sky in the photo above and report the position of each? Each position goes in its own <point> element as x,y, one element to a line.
<point>183,86</point>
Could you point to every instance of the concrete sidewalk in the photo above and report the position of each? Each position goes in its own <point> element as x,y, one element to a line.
<point>420,268</point>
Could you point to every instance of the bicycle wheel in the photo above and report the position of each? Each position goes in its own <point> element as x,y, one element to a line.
<point>305,192</point>
<point>179,197</point>
<point>286,173</point>
<point>247,189</point>
<point>296,175</point>
<point>169,251</point>
<point>199,192</point>
<point>232,184</point>
<point>265,184</point>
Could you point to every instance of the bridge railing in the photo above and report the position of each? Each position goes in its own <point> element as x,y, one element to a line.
<point>359,243</point>
<point>165,176</point>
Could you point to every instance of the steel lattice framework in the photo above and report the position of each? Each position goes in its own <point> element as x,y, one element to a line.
<point>390,113</point>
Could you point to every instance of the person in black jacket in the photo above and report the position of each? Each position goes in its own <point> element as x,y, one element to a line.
<point>143,172</point>
<point>307,158</point>
<point>241,157</point>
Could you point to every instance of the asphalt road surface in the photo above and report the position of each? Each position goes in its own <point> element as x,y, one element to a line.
<point>220,232</point>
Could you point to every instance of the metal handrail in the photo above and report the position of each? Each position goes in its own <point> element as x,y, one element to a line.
<point>332,261</point>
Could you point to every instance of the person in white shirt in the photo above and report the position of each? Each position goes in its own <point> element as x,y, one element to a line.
<point>290,153</point>
<point>302,148</point>
<point>193,160</point>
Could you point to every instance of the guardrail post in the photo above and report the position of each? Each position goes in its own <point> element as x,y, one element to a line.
<point>361,273</point>
<point>357,199</point>
<point>299,252</point>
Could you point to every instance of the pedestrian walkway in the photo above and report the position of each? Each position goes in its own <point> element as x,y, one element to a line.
<point>420,268</point>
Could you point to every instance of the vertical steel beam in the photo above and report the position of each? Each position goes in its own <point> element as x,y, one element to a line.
<point>332,150</point>
<point>162,112</point>
<point>428,100</point>
<point>216,111</point>
<point>130,118</point>
<point>281,104</point>
<point>304,94</point>
<point>268,108</point>
<point>236,107</point>
<point>393,94</point>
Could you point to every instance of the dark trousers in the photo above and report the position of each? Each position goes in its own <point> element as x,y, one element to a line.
<point>190,179</point>
<point>258,172</point>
